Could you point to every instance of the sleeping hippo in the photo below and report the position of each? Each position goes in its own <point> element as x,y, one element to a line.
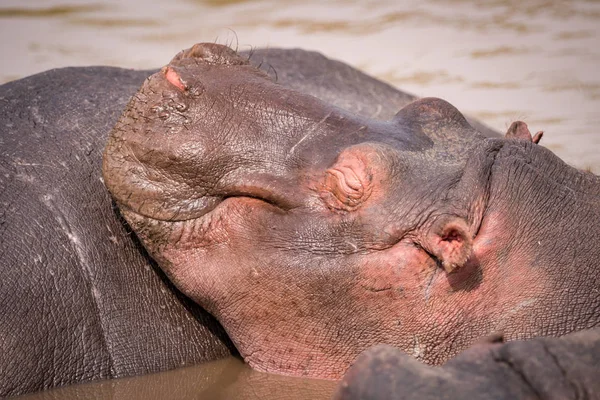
<point>80,298</point>
<point>313,231</point>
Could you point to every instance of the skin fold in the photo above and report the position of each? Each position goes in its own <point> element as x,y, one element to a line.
<point>312,231</point>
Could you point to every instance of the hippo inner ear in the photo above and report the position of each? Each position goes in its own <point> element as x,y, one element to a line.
<point>450,241</point>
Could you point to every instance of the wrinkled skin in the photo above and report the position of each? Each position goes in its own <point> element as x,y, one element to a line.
<point>80,298</point>
<point>542,369</point>
<point>312,232</point>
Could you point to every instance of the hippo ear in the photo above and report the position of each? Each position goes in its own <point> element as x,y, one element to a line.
<point>449,240</point>
<point>174,78</point>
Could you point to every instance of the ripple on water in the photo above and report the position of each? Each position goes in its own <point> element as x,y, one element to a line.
<point>47,12</point>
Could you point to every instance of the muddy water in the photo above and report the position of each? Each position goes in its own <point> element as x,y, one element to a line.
<point>498,60</point>
<point>224,379</point>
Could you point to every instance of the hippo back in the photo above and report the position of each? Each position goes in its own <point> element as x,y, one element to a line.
<point>80,298</point>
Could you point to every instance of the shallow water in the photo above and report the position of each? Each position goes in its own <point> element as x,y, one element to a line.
<point>224,379</point>
<point>498,60</point>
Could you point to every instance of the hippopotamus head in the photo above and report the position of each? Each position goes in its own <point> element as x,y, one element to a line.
<point>312,233</point>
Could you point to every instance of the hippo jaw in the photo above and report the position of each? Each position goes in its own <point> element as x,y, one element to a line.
<point>312,234</point>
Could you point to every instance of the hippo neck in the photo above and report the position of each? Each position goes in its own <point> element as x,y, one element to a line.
<point>538,204</point>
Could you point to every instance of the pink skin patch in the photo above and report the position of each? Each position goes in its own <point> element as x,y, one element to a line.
<point>174,78</point>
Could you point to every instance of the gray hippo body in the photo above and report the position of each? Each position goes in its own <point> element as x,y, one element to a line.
<point>80,298</point>
<point>565,368</point>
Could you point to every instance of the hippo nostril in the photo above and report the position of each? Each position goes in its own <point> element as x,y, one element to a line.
<point>205,51</point>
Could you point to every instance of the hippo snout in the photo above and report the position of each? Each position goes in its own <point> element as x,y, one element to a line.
<point>211,53</point>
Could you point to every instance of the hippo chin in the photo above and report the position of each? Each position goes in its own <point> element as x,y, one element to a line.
<point>312,233</point>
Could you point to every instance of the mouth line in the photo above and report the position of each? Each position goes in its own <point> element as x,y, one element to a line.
<point>202,212</point>
<point>126,209</point>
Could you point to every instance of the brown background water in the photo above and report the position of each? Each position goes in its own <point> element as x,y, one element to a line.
<point>498,60</point>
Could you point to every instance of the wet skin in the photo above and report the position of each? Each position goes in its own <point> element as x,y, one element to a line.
<point>312,233</point>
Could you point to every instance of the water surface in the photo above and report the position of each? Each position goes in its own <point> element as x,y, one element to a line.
<point>224,379</point>
<point>499,60</point>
